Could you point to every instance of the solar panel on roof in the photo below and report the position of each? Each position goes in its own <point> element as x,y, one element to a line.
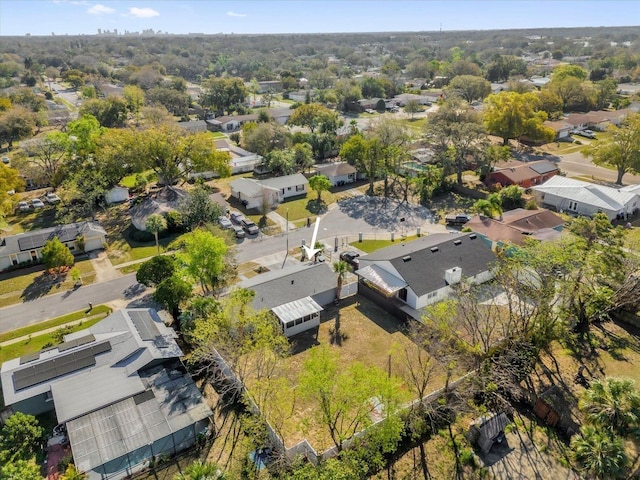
<point>76,343</point>
<point>32,241</point>
<point>58,366</point>
<point>144,324</point>
<point>143,397</point>
<point>29,357</point>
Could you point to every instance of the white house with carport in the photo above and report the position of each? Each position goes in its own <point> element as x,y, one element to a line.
<point>411,275</point>
<point>583,198</point>
<point>25,247</point>
<point>120,390</point>
<point>297,295</point>
<point>339,173</point>
<point>268,192</point>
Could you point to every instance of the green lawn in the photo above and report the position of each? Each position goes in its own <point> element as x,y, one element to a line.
<point>306,207</point>
<point>36,343</point>
<point>130,180</point>
<point>38,327</point>
<point>16,285</point>
<point>32,220</point>
<point>373,245</point>
<point>218,135</point>
<point>122,249</point>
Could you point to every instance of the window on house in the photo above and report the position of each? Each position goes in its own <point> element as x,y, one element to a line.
<point>288,189</point>
<point>299,188</point>
<point>34,255</point>
<point>289,324</point>
<point>298,321</point>
<point>402,294</point>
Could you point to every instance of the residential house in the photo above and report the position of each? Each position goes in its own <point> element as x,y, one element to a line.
<point>515,226</point>
<point>240,160</point>
<point>252,194</point>
<point>165,200</point>
<point>231,123</point>
<point>408,276</point>
<point>582,198</point>
<point>194,126</point>
<point>562,128</point>
<point>597,120</point>
<point>119,388</point>
<point>404,98</point>
<point>296,295</point>
<point>26,247</point>
<point>522,174</point>
<point>339,173</point>
<point>271,86</point>
<point>288,186</point>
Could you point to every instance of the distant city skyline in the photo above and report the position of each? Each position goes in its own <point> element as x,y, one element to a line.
<point>86,17</point>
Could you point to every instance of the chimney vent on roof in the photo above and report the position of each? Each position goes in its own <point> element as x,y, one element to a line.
<point>457,242</point>
<point>434,249</point>
<point>406,258</point>
<point>292,282</point>
<point>473,236</point>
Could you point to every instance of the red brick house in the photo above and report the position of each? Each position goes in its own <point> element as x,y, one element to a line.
<point>522,174</point>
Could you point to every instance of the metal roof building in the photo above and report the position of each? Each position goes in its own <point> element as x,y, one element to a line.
<point>120,389</point>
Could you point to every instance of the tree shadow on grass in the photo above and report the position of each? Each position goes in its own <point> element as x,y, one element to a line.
<point>336,336</point>
<point>41,286</point>
<point>316,207</point>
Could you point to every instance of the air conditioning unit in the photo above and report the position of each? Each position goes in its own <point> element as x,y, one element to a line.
<point>453,275</point>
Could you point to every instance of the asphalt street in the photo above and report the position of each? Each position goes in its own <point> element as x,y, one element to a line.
<point>578,164</point>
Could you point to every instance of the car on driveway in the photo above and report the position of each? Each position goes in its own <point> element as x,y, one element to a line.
<point>351,258</point>
<point>236,217</point>
<point>37,203</point>
<point>52,198</point>
<point>585,133</point>
<point>23,206</point>
<point>225,222</point>
<point>249,226</point>
<point>238,231</point>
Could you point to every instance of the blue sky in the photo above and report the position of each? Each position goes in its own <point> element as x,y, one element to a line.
<point>42,17</point>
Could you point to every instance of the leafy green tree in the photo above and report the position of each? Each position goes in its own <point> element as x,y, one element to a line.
<point>511,197</point>
<point>222,94</point>
<point>250,341</point>
<point>469,87</point>
<point>565,71</point>
<point>365,154</point>
<point>198,209</point>
<point>172,293</point>
<point>156,269</point>
<point>622,151</point>
<point>177,103</point>
<point>135,99</point>
<point>155,224</point>
<point>16,124</point>
<point>612,404</point>
<point>20,470</point>
<point>574,92</point>
<point>72,473</point>
<point>599,454</point>
<point>342,396</point>
<point>456,132</point>
<point>512,115</point>
<point>372,87</point>
<point>392,140</point>
<point>173,154</point>
<point>111,112</point>
<point>262,138</point>
<point>314,116</point>
<point>9,180</point>
<point>204,257</point>
<point>303,156</point>
<point>200,470</point>
<point>412,107</point>
<point>20,437</point>
<point>56,255</point>
<point>280,162</point>
<point>320,183</point>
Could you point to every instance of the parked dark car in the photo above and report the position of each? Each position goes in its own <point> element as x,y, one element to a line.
<point>351,258</point>
<point>238,231</point>
<point>236,217</point>
<point>249,226</point>
<point>457,220</point>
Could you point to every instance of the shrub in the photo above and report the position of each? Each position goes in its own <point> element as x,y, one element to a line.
<point>531,204</point>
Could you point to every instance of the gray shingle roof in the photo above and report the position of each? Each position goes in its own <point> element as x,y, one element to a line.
<point>424,271</point>
<point>286,285</point>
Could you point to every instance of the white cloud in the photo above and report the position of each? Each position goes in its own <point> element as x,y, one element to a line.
<point>234,14</point>
<point>100,9</point>
<point>143,12</point>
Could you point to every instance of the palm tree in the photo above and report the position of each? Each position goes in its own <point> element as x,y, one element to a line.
<point>71,473</point>
<point>341,268</point>
<point>200,470</point>
<point>612,403</point>
<point>155,223</point>
<point>599,453</point>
